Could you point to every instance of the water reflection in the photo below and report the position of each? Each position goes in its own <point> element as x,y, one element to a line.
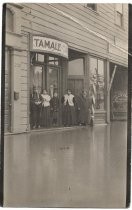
<point>78,168</point>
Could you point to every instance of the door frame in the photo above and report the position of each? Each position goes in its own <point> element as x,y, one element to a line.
<point>59,78</point>
<point>45,67</point>
<point>58,68</point>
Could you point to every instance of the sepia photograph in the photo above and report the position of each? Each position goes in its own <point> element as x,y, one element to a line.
<point>65,79</point>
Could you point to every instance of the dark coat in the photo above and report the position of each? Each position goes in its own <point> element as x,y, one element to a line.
<point>35,109</point>
<point>54,109</point>
<point>54,104</point>
<point>83,108</point>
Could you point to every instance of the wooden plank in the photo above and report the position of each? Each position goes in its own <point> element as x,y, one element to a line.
<point>68,30</point>
<point>45,20</point>
<point>76,41</point>
<point>106,22</point>
<point>99,19</point>
<point>62,20</point>
<point>24,80</point>
<point>24,120</point>
<point>94,23</point>
<point>24,94</point>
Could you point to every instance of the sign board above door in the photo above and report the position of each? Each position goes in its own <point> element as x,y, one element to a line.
<point>49,45</point>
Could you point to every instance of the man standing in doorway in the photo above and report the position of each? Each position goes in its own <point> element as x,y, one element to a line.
<point>35,108</point>
<point>83,107</point>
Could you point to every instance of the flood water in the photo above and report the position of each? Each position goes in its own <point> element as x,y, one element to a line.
<point>84,167</point>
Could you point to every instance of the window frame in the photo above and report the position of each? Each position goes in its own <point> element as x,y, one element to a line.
<point>96,11</point>
<point>34,61</point>
<point>105,81</point>
<point>121,14</point>
<point>84,71</point>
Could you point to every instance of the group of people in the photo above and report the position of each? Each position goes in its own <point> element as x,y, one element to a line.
<point>47,111</point>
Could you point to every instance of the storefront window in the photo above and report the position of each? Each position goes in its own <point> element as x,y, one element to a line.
<point>91,6</point>
<point>97,80</point>
<point>118,93</point>
<point>53,61</point>
<point>52,80</point>
<point>40,57</point>
<point>76,67</point>
<point>36,75</point>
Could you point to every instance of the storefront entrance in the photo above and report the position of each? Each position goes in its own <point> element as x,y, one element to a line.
<point>46,74</point>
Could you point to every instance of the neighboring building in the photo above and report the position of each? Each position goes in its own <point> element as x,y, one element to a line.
<point>46,49</point>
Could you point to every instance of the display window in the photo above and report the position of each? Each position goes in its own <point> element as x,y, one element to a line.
<point>97,79</point>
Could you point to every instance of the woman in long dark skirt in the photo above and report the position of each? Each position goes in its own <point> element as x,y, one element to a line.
<point>45,111</point>
<point>68,116</point>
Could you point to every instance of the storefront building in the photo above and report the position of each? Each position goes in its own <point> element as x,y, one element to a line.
<point>47,49</point>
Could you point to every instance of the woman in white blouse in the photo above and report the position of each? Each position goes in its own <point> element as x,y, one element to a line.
<point>45,113</point>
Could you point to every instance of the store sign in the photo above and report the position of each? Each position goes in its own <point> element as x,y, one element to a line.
<point>49,45</point>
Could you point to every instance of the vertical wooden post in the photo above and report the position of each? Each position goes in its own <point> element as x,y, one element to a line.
<point>108,92</point>
<point>28,83</point>
<point>11,91</point>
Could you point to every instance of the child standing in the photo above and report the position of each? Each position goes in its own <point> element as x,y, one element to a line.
<point>54,106</point>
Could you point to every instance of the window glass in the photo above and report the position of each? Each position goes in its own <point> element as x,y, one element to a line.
<point>9,20</point>
<point>101,67</point>
<point>56,61</point>
<point>40,58</point>
<point>53,61</point>
<point>119,14</point>
<point>36,75</point>
<point>119,19</point>
<point>92,6</point>
<point>97,82</point>
<point>76,67</point>
<point>93,66</point>
<point>52,80</point>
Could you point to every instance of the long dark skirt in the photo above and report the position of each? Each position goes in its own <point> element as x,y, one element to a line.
<point>45,116</point>
<point>35,115</point>
<point>83,112</point>
<point>83,115</point>
<point>55,118</point>
<point>68,116</point>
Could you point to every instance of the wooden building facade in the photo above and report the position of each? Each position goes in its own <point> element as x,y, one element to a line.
<point>65,46</point>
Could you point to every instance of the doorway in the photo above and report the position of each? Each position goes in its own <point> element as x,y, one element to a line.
<point>45,75</point>
<point>76,85</point>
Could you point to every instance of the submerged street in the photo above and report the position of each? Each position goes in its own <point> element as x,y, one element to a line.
<point>79,167</point>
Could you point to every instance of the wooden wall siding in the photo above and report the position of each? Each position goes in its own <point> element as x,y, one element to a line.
<point>42,19</point>
<point>7,91</point>
<point>24,63</point>
<point>6,101</point>
<point>24,84</point>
